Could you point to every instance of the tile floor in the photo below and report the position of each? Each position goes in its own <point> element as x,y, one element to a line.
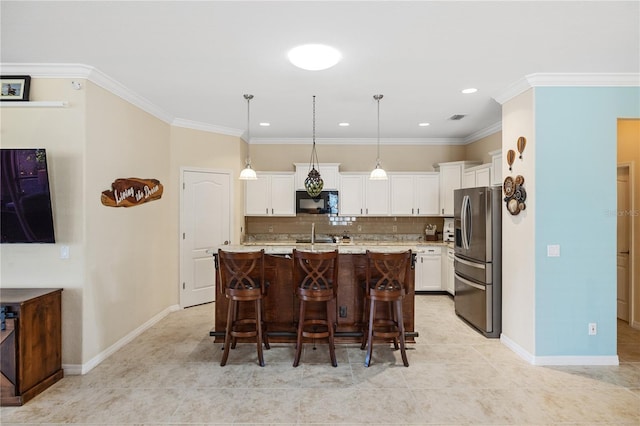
<point>171,375</point>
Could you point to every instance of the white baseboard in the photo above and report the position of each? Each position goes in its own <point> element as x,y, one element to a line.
<point>558,360</point>
<point>80,369</point>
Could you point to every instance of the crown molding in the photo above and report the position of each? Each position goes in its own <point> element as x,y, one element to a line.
<point>567,80</point>
<point>196,125</point>
<point>93,75</point>
<point>482,133</point>
<point>358,141</point>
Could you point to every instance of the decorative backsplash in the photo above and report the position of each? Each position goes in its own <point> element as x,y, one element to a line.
<point>358,228</point>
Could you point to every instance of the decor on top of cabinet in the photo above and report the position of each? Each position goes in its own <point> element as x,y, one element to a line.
<point>15,87</point>
<point>314,183</point>
<point>515,194</point>
<point>131,192</point>
<point>511,156</point>
<point>522,142</point>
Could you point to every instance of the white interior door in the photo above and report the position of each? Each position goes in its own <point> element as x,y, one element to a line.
<point>623,245</point>
<point>204,223</point>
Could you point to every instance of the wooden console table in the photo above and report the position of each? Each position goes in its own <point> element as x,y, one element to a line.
<point>31,342</point>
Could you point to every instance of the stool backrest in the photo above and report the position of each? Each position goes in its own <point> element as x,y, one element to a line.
<point>241,270</point>
<point>387,271</point>
<point>315,270</point>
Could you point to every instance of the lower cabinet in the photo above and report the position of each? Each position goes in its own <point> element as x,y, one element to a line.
<point>429,270</point>
<point>448,277</point>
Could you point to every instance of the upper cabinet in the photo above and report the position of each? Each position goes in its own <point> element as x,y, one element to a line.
<point>496,167</point>
<point>361,196</point>
<point>477,176</point>
<point>328,173</point>
<point>451,175</point>
<point>272,194</point>
<point>414,194</point>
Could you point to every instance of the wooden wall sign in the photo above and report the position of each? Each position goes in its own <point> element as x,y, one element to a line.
<point>131,192</point>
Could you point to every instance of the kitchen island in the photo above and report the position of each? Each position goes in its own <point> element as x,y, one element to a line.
<point>281,304</point>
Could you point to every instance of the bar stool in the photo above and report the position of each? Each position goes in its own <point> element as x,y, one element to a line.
<point>242,277</point>
<point>315,277</point>
<point>385,282</point>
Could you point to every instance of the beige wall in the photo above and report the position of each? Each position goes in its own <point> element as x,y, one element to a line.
<point>356,158</point>
<point>629,152</point>
<point>61,131</point>
<point>198,149</point>
<point>479,150</point>
<point>518,232</point>
<point>131,253</point>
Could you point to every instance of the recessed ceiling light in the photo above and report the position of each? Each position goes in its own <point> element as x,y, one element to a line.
<point>314,57</point>
<point>265,124</point>
<point>469,90</point>
<point>423,124</point>
<point>343,124</point>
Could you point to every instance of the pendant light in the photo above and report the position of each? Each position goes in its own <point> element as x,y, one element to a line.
<point>248,173</point>
<point>378,173</point>
<point>314,183</point>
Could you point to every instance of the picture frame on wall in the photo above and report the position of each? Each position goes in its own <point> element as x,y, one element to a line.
<point>15,87</point>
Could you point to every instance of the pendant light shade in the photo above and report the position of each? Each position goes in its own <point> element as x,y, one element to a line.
<point>248,173</point>
<point>314,183</point>
<point>378,173</point>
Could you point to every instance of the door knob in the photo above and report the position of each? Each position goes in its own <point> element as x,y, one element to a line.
<point>226,242</point>
<point>624,252</point>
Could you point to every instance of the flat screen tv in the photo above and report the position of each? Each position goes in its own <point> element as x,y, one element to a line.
<point>25,200</point>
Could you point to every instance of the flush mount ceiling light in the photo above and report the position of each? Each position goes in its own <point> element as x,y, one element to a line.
<point>378,173</point>
<point>248,173</point>
<point>314,57</point>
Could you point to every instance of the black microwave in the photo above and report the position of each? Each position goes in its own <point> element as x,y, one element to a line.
<point>324,203</point>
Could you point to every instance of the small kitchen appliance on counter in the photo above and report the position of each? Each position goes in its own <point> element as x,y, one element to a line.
<point>448,231</point>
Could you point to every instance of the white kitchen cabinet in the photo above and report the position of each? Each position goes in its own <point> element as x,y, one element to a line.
<point>414,194</point>
<point>496,167</point>
<point>477,176</point>
<point>448,271</point>
<point>328,173</point>
<point>361,196</point>
<point>450,179</point>
<point>428,272</point>
<point>272,194</point>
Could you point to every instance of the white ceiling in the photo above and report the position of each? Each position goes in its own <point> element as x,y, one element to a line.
<point>195,60</point>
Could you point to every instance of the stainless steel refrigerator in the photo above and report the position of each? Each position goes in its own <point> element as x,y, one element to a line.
<point>478,254</point>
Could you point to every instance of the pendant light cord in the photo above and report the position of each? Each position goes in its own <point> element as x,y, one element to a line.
<point>314,154</point>
<point>248,159</point>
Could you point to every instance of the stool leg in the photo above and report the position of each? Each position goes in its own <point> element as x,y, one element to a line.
<point>259,332</point>
<point>394,318</point>
<point>400,318</point>
<point>332,346</point>
<point>265,337</point>
<point>365,328</point>
<point>296,360</point>
<point>236,308</point>
<point>227,334</point>
<point>372,309</point>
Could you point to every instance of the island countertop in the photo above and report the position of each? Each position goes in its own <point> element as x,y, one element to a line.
<point>286,247</point>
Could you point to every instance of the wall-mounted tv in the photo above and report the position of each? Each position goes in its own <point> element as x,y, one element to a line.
<point>25,200</point>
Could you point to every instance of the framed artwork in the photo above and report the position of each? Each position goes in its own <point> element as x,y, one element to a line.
<point>15,87</point>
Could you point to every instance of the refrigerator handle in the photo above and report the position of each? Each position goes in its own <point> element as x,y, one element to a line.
<point>469,283</point>
<point>466,262</point>
<point>465,212</point>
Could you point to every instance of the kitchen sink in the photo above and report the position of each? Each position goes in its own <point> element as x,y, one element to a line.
<point>318,240</point>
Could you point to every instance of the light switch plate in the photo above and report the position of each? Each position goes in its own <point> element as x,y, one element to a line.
<point>64,252</point>
<point>553,250</point>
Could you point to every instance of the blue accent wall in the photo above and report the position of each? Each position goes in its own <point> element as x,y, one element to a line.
<point>575,190</point>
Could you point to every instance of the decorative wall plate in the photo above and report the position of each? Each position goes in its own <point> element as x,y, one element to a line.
<point>508,186</point>
<point>522,142</point>
<point>511,156</point>
<point>519,180</point>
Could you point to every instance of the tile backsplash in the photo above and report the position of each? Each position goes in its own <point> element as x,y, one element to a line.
<point>357,227</point>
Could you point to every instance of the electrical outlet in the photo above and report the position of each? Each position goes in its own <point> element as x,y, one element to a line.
<point>343,311</point>
<point>553,250</point>
<point>359,228</point>
<point>394,228</point>
<point>270,229</point>
<point>593,329</point>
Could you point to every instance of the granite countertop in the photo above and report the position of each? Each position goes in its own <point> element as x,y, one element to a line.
<point>360,247</point>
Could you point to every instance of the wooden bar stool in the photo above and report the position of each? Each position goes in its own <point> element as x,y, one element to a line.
<point>385,282</point>
<point>241,275</point>
<point>315,277</point>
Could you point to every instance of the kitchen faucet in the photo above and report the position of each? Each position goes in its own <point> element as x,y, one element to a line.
<point>313,232</point>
